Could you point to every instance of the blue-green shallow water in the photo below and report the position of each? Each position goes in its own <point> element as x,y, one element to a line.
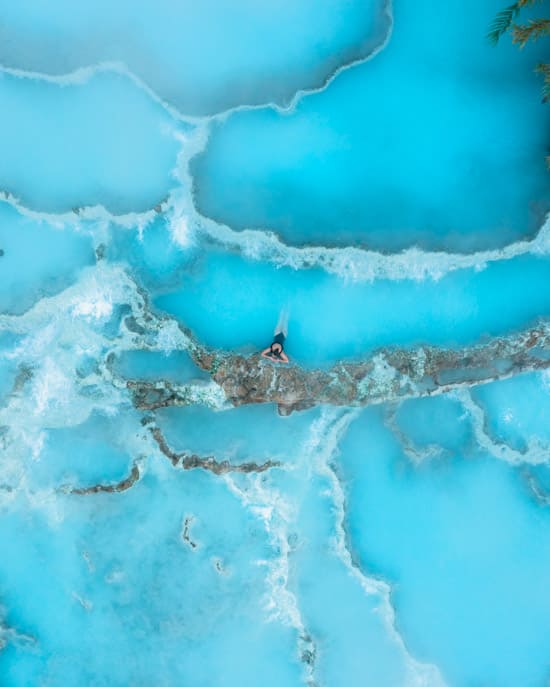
<point>467,549</point>
<point>203,58</point>
<point>400,546</point>
<point>102,142</point>
<point>38,260</point>
<point>418,146</point>
<point>231,302</point>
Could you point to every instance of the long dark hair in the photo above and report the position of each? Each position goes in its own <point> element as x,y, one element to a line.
<point>277,354</point>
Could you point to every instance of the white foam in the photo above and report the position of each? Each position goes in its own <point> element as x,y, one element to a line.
<point>363,265</point>
<point>545,376</point>
<point>416,454</point>
<point>81,75</point>
<point>49,385</point>
<point>276,512</point>
<point>98,307</point>
<point>326,434</point>
<point>170,337</point>
<point>380,381</point>
<point>181,233</point>
<point>279,514</point>
<point>536,453</point>
<point>10,635</point>
<point>210,394</point>
<point>86,604</point>
<point>58,335</point>
<point>350,263</point>
<point>92,219</point>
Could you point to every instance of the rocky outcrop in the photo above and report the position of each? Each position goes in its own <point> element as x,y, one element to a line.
<point>388,374</point>
<point>191,461</point>
<point>123,485</point>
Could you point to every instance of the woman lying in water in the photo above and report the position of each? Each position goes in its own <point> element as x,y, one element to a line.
<point>275,352</point>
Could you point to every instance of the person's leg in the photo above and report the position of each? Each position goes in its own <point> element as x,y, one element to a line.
<point>282,324</point>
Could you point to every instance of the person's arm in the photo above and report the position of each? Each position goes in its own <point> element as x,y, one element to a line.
<point>266,352</point>
<point>284,357</point>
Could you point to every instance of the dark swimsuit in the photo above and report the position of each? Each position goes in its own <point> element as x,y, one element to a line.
<point>279,338</point>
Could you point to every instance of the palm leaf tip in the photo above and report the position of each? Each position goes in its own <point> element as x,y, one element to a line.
<point>535,28</point>
<point>544,69</point>
<point>502,22</point>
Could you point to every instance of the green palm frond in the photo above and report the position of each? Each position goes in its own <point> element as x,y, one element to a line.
<point>535,28</point>
<point>503,21</point>
<point>544,69</point>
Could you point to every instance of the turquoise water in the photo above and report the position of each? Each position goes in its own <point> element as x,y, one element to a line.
<point>203,58</point>
<point>418,146</point>
<point>231,302</point>
<point>112,143</point>
<point>39,259</point>
<point>517,409</point>
<point>174,170</point>
<point>466,549</point>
